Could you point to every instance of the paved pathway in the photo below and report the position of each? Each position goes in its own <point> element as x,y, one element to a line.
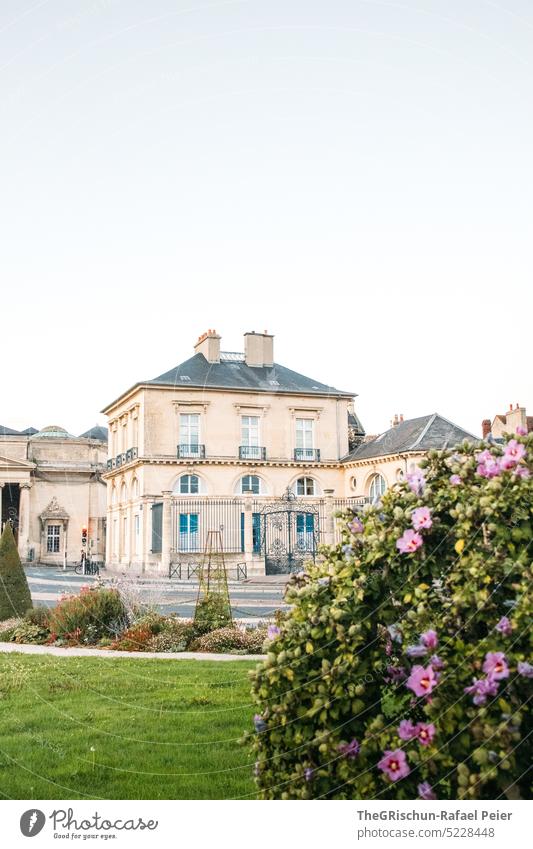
<point>79,652</point>
<point>253,600</point>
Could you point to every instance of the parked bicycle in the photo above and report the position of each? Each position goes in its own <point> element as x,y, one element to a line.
<point>86,566</point>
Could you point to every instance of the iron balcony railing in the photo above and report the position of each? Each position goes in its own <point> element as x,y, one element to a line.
<point>191,452</point>
<point>311,454</point>
<point>252,452</point>
<point>122,459</point>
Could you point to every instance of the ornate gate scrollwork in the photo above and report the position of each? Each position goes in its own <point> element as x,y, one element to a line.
<point>289,534</point>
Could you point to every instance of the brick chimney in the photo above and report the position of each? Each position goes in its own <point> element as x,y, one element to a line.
<point>396,420</point>
<point>485,428</point>
<point>259,349</point>
<point>209,345</point>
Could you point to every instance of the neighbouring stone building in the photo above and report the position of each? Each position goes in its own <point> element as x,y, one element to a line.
<point>52,491</point>
<point>507,423</point>
<point>249,450</point>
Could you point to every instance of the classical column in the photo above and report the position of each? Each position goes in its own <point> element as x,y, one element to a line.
<point>166,533</point>
<point>24,520</point>
<point>329,535</point>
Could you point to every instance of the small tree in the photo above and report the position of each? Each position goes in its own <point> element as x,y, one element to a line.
<point>15,597</point>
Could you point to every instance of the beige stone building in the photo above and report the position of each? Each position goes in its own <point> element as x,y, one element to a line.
<point>236,445</point>
<point>52,491</point>
<point>507,422</point>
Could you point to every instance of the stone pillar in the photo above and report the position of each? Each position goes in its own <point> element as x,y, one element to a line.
<point>248,526</point>
<point>131,534</point>
<point>329,536</point>
<point>166,534</point>
<point>24,520</point>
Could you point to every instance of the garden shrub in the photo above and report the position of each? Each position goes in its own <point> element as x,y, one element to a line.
<point>212,612</point>
<point>404,666</point>
<point>15,597</point>
<point>249,641</point>
<point>38,616</point>
<point>94,613</point>
<point>7,628</point>
<point>135,638</point>
<point>27,632</point>
<point>171,640</point>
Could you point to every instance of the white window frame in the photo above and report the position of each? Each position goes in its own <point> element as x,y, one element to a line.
<point>53,536</point>
<point>189,491</point>
<point>241,485</point>
<point>305,438</point>
<point>192,448</point>
<point>373,492</point>
<point>251,437</point>
<point>305,479</point>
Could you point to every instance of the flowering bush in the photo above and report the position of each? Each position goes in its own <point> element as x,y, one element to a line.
<point>136,638</point>
<point>404,666</point>
<point>246,641</point>
<point>173,635</point>
<point>87,617</point>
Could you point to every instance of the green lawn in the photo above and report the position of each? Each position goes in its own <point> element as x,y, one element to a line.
<point>160,729</point>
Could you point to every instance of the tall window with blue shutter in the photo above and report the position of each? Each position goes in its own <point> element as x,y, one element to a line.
<point>305,527</point>
<point>256,532</point>
<point>189,539</point>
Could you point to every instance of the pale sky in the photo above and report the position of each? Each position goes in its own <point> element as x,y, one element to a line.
<point>354,176</point>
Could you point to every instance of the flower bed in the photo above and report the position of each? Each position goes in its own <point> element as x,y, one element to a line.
<point>98,617</point>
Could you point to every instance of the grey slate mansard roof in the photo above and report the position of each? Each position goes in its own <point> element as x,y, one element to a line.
<point>96,432</point>
<point>8,431</point>
<point>233,373</point>
<point>421,434</point>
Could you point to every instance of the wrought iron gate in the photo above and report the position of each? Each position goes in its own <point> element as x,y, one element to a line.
<point>289,534</point>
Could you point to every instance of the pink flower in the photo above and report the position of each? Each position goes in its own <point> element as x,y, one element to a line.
<point>409,542</point>
<point>406,730</point>
<point>430,639</point>
<point>350,750</point>
<point>416,481</point>
<point>425,733</point>
<point>522,472</point>
<point>514,452</point>
<point>421,518</point>
<point>521,430</point>
<point>481,688</point>
<point>503,627</point>
<point>455,480</point>
<point>421,681</point>
<point>495,665</point>
<point>425,790</point>
<point>489,466</point>
<point>436,662</point>
<point>525,669</point>
<point>356,526</point>
<point>394,764</point>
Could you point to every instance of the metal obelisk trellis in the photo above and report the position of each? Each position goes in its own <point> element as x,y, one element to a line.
<point>213,606</point>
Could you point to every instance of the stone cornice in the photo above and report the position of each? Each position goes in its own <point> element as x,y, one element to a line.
<point>381,458</point>
<point>222,461</point>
